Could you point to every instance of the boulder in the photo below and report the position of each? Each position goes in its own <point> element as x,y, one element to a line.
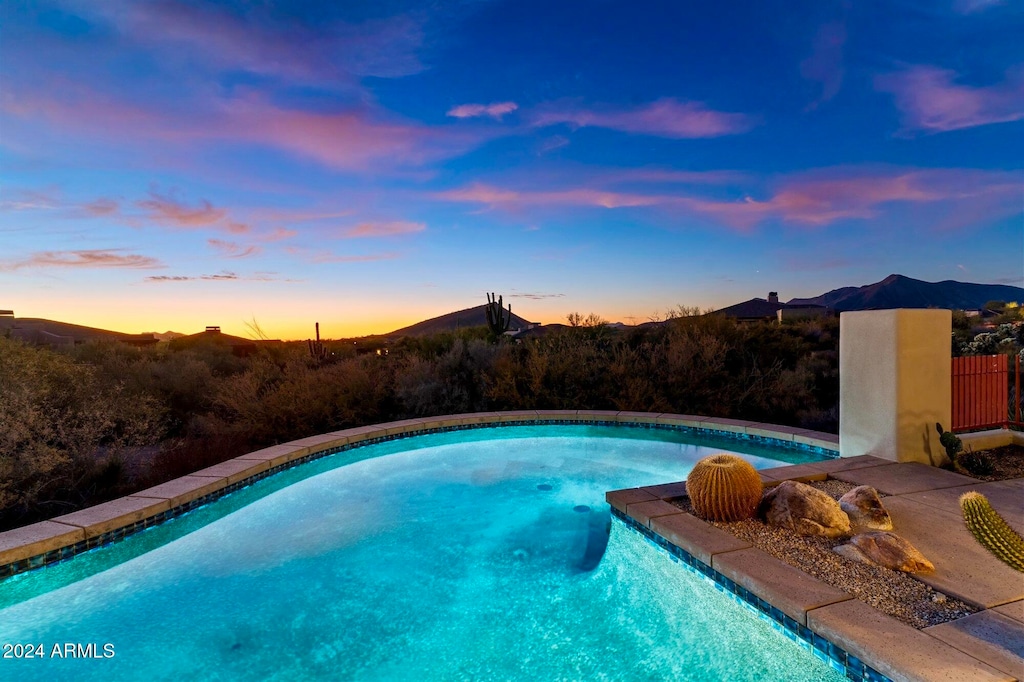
<point>804,510</point>
<point>882,548</point>
<point>865,509</point>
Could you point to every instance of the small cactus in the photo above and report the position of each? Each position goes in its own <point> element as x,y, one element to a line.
<point>724,487</point>
<point>989,529</point>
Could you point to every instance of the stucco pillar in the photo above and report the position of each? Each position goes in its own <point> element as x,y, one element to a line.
<point>894,383</point>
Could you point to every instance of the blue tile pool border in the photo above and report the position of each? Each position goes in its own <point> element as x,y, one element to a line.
<point>68,552</point>
<point>837,657</point>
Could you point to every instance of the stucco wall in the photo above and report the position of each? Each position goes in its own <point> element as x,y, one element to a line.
<point>894,383</point>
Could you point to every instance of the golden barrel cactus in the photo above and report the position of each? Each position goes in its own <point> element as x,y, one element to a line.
<point>724,487</point>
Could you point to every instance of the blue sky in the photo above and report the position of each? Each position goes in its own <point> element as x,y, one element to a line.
<point>168,165</point>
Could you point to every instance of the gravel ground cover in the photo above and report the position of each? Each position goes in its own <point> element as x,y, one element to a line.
<point>892,592</point>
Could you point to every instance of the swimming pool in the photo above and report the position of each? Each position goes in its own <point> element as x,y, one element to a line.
<point>480,554</point>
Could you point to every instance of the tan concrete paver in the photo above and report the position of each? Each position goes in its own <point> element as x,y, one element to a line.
<point>276,454</point>
<point>115,514</point>
<point>621,499</point>
<point>781,585</point>
<point>643,512</point>
<point>38,538</point>
<point>235,470</point>
<point>404,426</point>
<point>517,415</point>
<point>556,414</point>
<point>818,439</point>
<point>988,636</point>
<point>896,650</point>
<point>667,491</point>
<point>776,432</point>
<point>794,472</point>
<point>691,420</point>
<point>963,568</point>
<point>638,417</point>
<point>1007,497</point>
<point>700,539</point>
<point>183,490</point>
<point>730,425</point>
<point>847,463</point>
<point>1014,609</point>
<point>597,415</point>
<point>903,477</point>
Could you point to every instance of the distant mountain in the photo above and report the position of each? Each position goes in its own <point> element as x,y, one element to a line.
<point>897,291</point>
<point>79,333</point>
<point>461,319</point>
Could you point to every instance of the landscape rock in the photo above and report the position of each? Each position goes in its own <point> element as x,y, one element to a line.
<point>865,509</point>
<point>882,548</point>
<point>804,510</point>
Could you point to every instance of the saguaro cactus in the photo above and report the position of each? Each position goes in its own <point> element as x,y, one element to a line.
<point>497,319</point>
<point>989,528</point>
<point>317,350</point>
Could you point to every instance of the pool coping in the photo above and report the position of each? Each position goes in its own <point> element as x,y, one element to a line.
<point>63,537</point>
<point>855,638</point>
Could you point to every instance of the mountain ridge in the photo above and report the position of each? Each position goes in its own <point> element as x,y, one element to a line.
<point>900,291</point>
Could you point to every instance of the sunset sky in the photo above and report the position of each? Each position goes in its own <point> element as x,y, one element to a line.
<point>169,164</point>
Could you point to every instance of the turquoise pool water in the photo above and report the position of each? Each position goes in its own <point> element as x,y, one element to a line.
<point>477,555</point>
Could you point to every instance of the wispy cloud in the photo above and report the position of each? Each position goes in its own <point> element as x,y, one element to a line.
<point>815,198</point>
<point>101,207</point>
<point>825,63</point>
<point>385,229</point>
<point>663,118</point>
<point>86,258</point>
<point>535,296</point>
<point>358,138</point>
<point>479,193</point>
<point>972,6</point>
<point>319,256</point>
<point>931,101</point>
<point>495,110</point>
<point>232,249</point>
<point>169,210</point>
<point>220,277</point>
<point>314,49</point>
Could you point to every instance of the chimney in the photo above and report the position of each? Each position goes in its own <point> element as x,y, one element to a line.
<point>773,297</point>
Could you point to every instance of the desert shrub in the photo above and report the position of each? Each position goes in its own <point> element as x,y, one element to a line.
<point>62,432</point>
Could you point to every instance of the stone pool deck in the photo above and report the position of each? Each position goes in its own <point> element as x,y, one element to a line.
<point>923,503</point>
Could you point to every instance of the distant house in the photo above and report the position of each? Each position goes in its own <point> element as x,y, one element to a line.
<point>761,310</point>
<point>212,336</point>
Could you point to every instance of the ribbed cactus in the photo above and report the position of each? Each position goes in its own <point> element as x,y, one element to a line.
<point>989,528</point>
<point>724,487</point>
<point>497,321</point>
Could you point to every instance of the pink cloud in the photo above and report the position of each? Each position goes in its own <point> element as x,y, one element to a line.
<point>358,139</point>
<point>168,210</point>
<point>232,249</point>
<point>813,199</point>
<point>87,258</point>
<point>825,63</point>
<point>331,52</point>
<point>663,118</point>
<point>930,101</point>
<point>495,110</point>
<point>830,195</point>
<point>385,229</point>
<point>101,207</point>
<point>493,196</point>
